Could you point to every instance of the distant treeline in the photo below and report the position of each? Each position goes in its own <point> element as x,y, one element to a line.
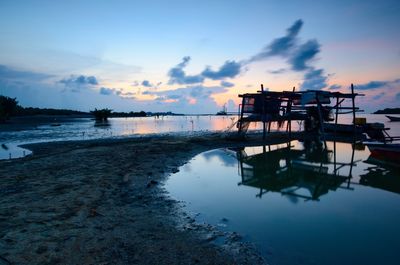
<point>9,107</point>
<point>21,111</point>
<point>388,111</point>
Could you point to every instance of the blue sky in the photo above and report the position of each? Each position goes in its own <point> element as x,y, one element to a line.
<point>195,56</point>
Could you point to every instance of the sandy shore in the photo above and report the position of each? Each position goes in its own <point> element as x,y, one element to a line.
<point>102,202</point>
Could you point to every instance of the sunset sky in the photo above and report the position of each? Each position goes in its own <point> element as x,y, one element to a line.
<point>195,56</point>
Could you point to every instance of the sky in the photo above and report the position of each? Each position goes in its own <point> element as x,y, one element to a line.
<point>195,56</point>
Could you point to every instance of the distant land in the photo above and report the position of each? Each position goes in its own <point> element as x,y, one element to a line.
<point>21,111</point>
<point>388,111</point>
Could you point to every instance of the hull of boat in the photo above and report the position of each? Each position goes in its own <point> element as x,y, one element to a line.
<point>389,152</point>
<point>393,118</point>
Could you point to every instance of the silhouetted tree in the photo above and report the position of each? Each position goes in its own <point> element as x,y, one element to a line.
<point>8,107</point>
<point>101,114</point>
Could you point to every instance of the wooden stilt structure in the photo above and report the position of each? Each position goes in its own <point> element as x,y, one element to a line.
<point>311,106</point>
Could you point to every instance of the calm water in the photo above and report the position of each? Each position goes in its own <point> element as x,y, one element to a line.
<point>85,128</point>
<point>296,204</point>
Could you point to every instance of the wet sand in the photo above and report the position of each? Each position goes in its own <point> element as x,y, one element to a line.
<point>103,202</point>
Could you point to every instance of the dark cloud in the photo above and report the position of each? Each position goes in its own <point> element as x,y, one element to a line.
<point>80,80</point>
<point>372,85</point>
<point>107,91</point>
<point>280,46</point>
<point>278,71</point>
<point>178,76</point>
<point>228,69</point>
<point>314,79</point>
<point>334,87</point>
<point>146,83</point>
<point>227,84</point>
<point>305,53</point>
<point>298,55</point>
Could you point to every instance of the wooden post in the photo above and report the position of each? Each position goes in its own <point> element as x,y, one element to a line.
<point>353,99</point>
<point>337,113</point>
<point>263,110</point>
<point>321,120</point>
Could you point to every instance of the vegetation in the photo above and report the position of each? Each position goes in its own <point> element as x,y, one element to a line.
<point>101,114</point>
<point>388,111</point>
<point>46,111</point>
<point>8,106</point>
<point>129,114</point>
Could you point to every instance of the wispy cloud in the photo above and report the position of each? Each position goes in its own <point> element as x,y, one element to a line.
<point>278,71</point>
<point>7,73</point>
<point>335,86</point>
<point>314,79</point>
<point>373,85</point>
<point>303,55</point>
<point>227,84</point>
<point>178,76</point>
<point>228,69</point>
<point>280,46</point>
<point>298,55</point>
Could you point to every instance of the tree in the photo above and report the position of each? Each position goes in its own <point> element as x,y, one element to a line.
<point>8,107</point>
<point>101,114</point>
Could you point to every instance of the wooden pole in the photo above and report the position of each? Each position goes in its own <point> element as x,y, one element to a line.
<point>353,99</point>
<point>263,110</point>
<point>321,119</point>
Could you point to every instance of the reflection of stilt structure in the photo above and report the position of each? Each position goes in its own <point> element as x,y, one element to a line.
<point>289,171</point>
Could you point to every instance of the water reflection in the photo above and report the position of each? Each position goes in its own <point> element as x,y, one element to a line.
<point>102,124</point>
<point>298,202</point>
<point>302,173</point>
<point>381,175</point>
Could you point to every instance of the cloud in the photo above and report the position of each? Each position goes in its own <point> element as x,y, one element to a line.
<point>298,55</point>
<point>280,46</point>
<point>398,96</point>
<point>335,86</point>
<point>314,79</point>
<point>106,91</point>
<point>178,76</point>
<point>228,69</point>
<point>80,80</point>
<point>227,84</point>
<point>10,74</point>
<point>146,83</point>
<point>192,99</point>
<point>278,71</point>
<point>373,85</point>
<point>378,96</point>
<point>305,53</point>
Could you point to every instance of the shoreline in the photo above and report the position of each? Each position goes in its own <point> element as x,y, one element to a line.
<point>103,201</point>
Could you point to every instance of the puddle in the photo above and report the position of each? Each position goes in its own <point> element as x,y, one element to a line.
<point>298,203</point>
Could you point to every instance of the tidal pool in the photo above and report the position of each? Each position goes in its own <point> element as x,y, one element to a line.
<point>298,203</point>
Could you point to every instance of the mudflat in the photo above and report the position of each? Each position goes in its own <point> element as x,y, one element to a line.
<point>103,202</point>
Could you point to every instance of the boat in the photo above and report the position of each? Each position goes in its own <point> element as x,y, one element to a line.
<point>223,111</point>
<point>393,118</point>
<point>384,151</point>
